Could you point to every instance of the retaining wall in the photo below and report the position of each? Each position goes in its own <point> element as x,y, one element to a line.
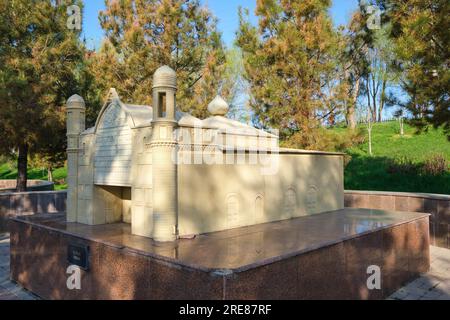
<point>9,185</point>
<point>13,204</point>
<point>438,205</point>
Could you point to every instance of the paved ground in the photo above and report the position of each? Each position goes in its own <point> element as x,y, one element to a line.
<point>434,285</point>
<point>8,289</point>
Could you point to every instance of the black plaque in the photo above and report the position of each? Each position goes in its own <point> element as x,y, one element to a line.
<point>78,255</point>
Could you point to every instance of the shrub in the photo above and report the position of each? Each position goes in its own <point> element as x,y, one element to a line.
<point>435,165</point>
<point>326,140</point>
<point>347,160</point>
<point>402,165</point>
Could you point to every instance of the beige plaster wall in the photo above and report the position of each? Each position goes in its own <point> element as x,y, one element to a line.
<point>126,205</point>
<point>85,212</point>
<point>219,197</point>
<point>141,189</point>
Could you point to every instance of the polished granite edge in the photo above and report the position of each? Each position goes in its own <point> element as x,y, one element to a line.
<point>159,258</point>
<point>219,271</point>
<point>435,196</point>
<point>324,244</point>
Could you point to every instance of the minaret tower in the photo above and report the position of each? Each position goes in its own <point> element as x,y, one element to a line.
<point>76,111</point>
<point>163,144</point>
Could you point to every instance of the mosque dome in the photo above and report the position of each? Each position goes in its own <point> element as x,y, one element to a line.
<point>165,77</point>
<point>218,107</point>
<point>76,101</point>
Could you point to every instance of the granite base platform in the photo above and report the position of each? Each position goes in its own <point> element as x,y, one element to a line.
<point>323,256</point>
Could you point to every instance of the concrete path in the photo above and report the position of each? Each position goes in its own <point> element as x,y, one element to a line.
<point>434,285</point>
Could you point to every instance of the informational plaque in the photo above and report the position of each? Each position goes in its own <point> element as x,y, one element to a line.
<point>78,255</point>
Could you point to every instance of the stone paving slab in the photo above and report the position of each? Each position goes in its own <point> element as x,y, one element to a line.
<point>434,285</point>
<point>8,289</point>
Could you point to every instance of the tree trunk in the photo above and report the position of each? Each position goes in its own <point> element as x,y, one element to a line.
<point>49,174</point>
<point>352,106</point>
<point>369,105</point>
<point>402,132</point>
<point>22,164</point>
<point>374,106</point>
<point>373,93</point>
<point>382,101</point>
<point>332,120</point>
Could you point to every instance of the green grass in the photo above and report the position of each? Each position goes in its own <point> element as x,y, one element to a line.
<point>366,172</point>
<point>59,175</point>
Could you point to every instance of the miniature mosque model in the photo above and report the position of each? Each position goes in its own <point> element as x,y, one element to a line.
<point>171,175</point>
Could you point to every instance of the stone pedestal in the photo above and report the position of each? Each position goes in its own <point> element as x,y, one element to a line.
<point>325,256</point>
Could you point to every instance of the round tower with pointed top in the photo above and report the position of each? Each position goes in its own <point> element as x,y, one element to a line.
<point>76,110</point>
<point>164,144</point>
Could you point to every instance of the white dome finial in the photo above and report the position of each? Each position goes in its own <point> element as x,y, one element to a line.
<point>218,107</point>
<point>165,76</point>
<point>76,101</point>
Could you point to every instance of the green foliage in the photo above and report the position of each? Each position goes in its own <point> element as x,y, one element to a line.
<point>387,142</point>
<point>290,64</point>
<point>233,78</point>
<point>420,30</point>
<point>402,165</point>
<point>357,39</point>
<point>330,140</point>
<point>144,35</point>
<point>59,175</point>
<point>39,57</point>
<point>398,161</point>
<point>436,165</point>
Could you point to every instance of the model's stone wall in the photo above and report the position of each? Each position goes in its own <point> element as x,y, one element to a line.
<point>76,111</point>
<point>219,197</point>
<point>85,205</point>
<point>141,190</point>
<point>435,204</point>
<point>14,204</point>
<point>113,148</point>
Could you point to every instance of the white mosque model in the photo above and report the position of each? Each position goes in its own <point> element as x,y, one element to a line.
<point>171,175</point>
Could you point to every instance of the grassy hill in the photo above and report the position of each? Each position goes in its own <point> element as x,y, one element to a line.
<point>396,161</point>
<point>394,165</point>
<point>59,175</point>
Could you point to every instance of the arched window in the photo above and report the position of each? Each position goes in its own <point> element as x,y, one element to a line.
<point>311,199</point>
<point>259,208</point>
<point>162,105</point>
<point>233,210</point>
<point>290,202</point>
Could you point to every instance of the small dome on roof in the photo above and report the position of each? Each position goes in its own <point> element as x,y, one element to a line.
<point>76,101</point>
<point>165,77</point>
<point>218,107</point>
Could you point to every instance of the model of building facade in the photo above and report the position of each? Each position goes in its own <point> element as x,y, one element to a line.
<point>172,175</point>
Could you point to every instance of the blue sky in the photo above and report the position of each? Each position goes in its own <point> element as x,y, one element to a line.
<point>224,10</point>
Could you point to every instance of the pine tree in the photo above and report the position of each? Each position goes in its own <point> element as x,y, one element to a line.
<point>39,56</point>
<point>289,59</point>
<point>358,39</point>
<point>142,35</point>
<point>420,29</point>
